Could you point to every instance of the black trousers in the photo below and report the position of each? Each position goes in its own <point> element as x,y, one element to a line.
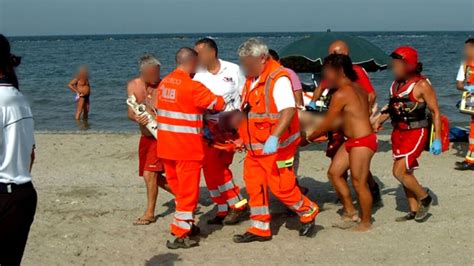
<point>17,211</point>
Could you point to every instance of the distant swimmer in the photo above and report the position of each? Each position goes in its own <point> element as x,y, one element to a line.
<point>80,85</point>
<point>350,104</point>
<point>411,94</point>
<point>150,167</point>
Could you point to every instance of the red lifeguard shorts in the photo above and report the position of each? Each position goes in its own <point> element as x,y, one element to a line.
<point>147,156</point>
<point>369,141</point>
<point>409,144</point>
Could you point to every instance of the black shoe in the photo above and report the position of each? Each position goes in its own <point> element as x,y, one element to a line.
<point>459,163</point>
<point>464,166</point>
<point>249,237</point>
<point>423,209</point>
<point>235,216</point>
<point>308,229</point>
<point>408,217</point>
<point>218,220</point>
<point>195,230</point>
<point>181,243</point>
<point>376,196</point>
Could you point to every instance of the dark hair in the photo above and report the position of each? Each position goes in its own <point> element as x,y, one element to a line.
<point>8,62</point>
<point>209,42</point>
<point>419,68</point>
<point>338,61</point>
<point>470,40</point>
<point>274,55</point>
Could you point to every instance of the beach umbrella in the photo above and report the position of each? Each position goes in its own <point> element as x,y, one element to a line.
<point>307,55</point>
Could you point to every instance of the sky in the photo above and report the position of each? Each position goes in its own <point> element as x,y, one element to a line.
<point>71,17</point>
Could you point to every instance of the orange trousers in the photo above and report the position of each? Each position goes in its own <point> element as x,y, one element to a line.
<point>262,173</point>
<point>183,179</point>
<point>470,152</point>
<point>219,180</point>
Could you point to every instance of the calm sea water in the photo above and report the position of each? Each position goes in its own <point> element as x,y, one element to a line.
<point>50,62</point>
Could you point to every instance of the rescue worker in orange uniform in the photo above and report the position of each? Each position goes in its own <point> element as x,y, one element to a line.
<point>181,103</point>
<point>271,134</point>
<point>222,78</point>
<point>465,82</point>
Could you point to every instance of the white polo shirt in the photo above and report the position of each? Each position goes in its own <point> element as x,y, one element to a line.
<point>229,79</point>
<point>16,136</point>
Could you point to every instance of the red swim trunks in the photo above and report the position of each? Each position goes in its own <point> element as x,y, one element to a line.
<point>409,144</point>
<point>147,156</point>
<point>369,141</point>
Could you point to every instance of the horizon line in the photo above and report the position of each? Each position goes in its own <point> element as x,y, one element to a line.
<point>229,32</point>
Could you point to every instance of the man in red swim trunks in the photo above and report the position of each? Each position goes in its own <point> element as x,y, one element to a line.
<point>410,94</point>
<point>337,139</point>
<point>350,105</point>
<point>150,167</point>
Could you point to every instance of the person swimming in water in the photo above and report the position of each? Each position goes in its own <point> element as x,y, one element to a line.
<point>80,85</point>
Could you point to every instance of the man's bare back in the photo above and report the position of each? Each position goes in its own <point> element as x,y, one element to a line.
<point>144,94</point>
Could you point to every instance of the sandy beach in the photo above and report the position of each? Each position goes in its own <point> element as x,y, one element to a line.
<point>89,194</point>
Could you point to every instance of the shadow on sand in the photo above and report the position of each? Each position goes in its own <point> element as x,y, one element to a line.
<point>167,259</point>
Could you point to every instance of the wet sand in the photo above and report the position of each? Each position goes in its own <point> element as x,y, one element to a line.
<point>89,195</point>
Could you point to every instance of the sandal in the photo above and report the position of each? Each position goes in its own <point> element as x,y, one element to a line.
<point>144,221</point>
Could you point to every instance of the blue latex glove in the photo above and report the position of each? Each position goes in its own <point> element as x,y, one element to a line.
<point>312,105</point>
<point>207,133</point>
<point>271,145</point>
<point>469,88</point>
<point>436,147</point>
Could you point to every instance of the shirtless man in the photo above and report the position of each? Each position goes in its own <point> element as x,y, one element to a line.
<point>150,167</point>
<point>80,85</point>
<point>337,139</point>
<point>350,105</point>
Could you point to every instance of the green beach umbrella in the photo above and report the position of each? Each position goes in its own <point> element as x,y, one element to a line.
<point>307,55</point>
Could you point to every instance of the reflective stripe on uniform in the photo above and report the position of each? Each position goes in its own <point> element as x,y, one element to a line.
<point>298,205</point>
<point>471,141</point>
<point>287,142</point>
<point>182,224</point>
<point>252,115</point>
<point>214,193</point>
<point>179,115</point>
<point>179,129</point>
<point>228,185</point>
<point>222,208</point>
<point>285,163</point>
<point>260,225</point>
<point>261,210</point>
<point>233,200</point>
<point>183,216</point>
<point>211,106</point>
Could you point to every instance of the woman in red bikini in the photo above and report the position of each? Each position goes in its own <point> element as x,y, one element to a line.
<point>350,105</point>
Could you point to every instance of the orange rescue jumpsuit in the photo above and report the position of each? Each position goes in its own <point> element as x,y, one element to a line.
<point>181,103</point>
<point>274,171</point>
<point>469,72</point>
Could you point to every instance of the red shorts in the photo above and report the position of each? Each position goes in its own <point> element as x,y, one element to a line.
<point>369,141</point>
<point>409,144</point>
<point>147,156</point>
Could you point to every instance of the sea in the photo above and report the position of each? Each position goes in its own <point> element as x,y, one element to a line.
<point>50,62</point>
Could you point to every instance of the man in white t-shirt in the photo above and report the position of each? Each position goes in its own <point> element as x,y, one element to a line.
<point>17,195</point>
<point>270,131</point>
<point>222,78</point>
